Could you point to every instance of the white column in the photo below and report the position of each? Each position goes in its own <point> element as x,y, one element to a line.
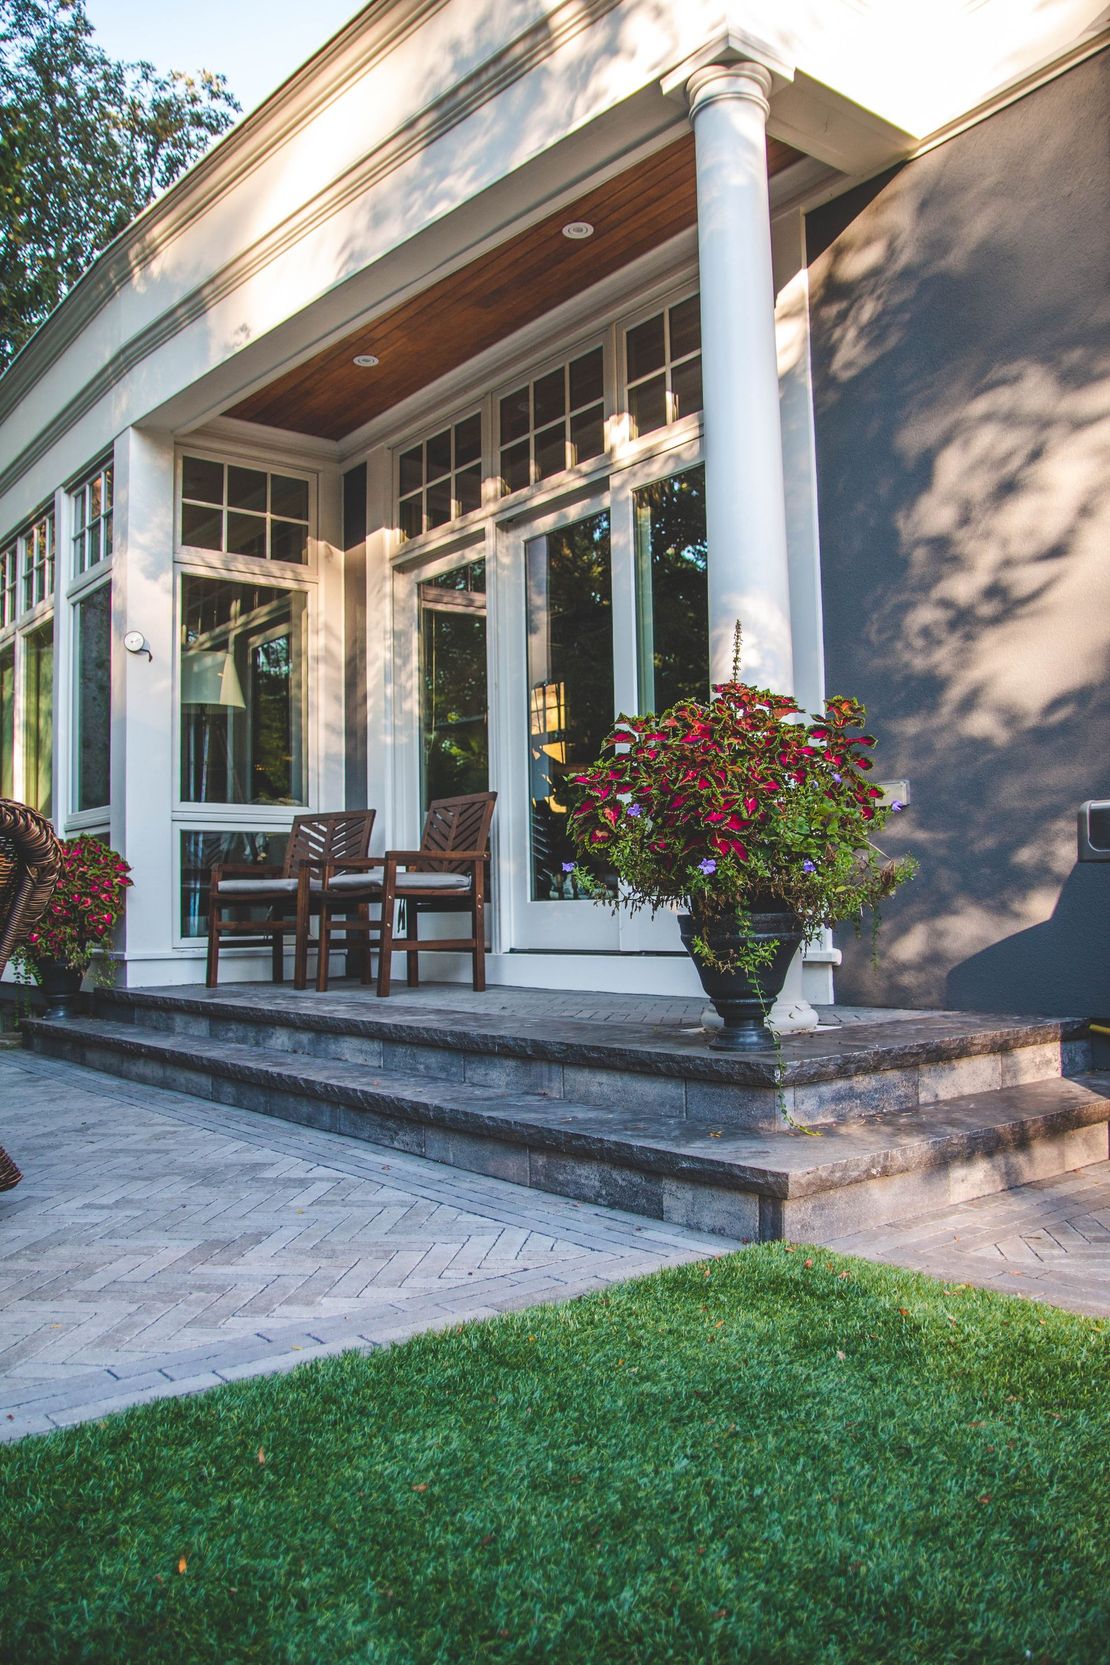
<point>142,699</point>
<point>749,578</point>
<point>748,575</point>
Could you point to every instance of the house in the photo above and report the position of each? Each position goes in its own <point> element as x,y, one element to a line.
<point>474,385</point>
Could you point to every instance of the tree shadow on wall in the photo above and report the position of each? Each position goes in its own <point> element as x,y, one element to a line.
<point>1061,966</point>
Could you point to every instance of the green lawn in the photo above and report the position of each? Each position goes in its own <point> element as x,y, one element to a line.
<point>779,1456</point>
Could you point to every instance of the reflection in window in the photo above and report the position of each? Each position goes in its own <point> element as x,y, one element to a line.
<point>570,680</point>
<point>201,851</point>
<point>9,563</point>
<point>94,697</point>
<point>38,561</point>
<point>553,423</point>
<point>454,714</point>
<point>38,718</point>
<point>441,478</point>
<point>672,594</point>
<point>243,511</point>
<point>663,358</point>
<point>92,520</point>
<point>7,722</point>
<point>243,693</point>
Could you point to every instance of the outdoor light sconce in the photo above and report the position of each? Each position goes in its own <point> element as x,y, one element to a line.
<point>136,642</point>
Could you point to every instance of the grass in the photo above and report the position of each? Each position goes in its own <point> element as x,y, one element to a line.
<point>780,1456</point>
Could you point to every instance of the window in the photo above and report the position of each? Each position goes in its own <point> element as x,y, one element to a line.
<point>8,565</point>
<point>92,520</point>
<point>672,590</point>
<point>553,423</point>
<point>244,511</point>
<point>7,721</point>
<point>93,704</point>
<point>37,544</point>
<point>663,360</point>
<point>441,478</point>
<point>200,852</point>
<point>243,693</point>
<point>37,726</point>
<point>454,715</point>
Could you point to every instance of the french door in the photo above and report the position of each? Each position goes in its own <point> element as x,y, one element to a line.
<point>610,598</point>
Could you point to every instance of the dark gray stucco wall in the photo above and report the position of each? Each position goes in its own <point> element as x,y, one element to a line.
<point>961,361</point>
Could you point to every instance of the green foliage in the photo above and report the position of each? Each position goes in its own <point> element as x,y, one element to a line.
<point>85,144</point>
<point>775,1458</point>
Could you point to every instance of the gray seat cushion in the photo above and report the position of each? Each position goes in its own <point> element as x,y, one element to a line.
<point>259,889</point>
<point>345,884</point>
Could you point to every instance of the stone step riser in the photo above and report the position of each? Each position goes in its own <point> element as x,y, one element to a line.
<point>726,1209</point>
<point>758,1108</point>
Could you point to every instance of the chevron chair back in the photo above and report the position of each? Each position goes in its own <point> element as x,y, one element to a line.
<point>344,836</point>
<point>29,861</point>
<point>456,824</point>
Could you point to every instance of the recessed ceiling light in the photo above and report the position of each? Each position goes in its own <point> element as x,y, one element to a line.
<point>365,361</point>
<point>578,230</point>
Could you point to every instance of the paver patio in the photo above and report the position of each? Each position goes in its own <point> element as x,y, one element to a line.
<point>161,1244</point>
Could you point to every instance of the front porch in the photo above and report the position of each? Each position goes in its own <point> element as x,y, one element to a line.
<point>617,1100</point>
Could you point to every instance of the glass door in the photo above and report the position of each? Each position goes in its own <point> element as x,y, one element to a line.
<point>565,701</point>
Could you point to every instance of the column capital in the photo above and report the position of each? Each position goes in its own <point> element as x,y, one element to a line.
<point>747,80</point>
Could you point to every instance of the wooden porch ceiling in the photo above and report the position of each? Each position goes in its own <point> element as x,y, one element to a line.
<point>512,285</point>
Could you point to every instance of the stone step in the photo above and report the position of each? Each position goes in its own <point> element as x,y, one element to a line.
<point>834,1075</point>
<point>735,1181</point>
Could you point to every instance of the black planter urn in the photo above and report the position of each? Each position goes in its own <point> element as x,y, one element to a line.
<point>741,997</point>
<point>61,985</point>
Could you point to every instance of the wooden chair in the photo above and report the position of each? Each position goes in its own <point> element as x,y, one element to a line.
<point>317,844</point>
<point>450,864</point>
<point>30,857</point>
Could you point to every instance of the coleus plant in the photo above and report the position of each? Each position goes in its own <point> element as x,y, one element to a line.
<point>739,803</point>
<point>82,912</point>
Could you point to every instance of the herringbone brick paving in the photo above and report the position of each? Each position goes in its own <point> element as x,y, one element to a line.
<point>1049,1240</point>
<point>161,1244</point>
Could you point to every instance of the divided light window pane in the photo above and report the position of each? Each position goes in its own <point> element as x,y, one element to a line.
<point>8,566</point>
<point>553,423</point>
<point>454,703</point>
<point>238,510</point>
<point>92,520</point>
<point>440,479</point>
<point>663,361</point>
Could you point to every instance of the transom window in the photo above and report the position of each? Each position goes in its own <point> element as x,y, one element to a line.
<point>38,561</point>
<point>663,360</point>
<point>92,520</point>
<point>8,561</point>
<point>553,423</point>
<point>244,511</point>
<point>441,478</point>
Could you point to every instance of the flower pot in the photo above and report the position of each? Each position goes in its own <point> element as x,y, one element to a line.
<point>61,985</point>
<point>742,997</point>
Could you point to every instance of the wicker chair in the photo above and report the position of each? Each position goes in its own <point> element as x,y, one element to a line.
<point>29,861</point>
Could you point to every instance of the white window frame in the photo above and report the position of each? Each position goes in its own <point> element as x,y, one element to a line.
<point>221,559</point>
<point>79,495</point>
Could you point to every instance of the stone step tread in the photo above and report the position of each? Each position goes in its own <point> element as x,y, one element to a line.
<point>785,1163</point>
<point>936,1037</point>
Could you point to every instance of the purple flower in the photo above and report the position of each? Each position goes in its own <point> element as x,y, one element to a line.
<point>897,806</point>
<point>809,867</point>
<point>838,778</point>
<point>707,865</point>
<point>568,867</point>
<point>634,809</point>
